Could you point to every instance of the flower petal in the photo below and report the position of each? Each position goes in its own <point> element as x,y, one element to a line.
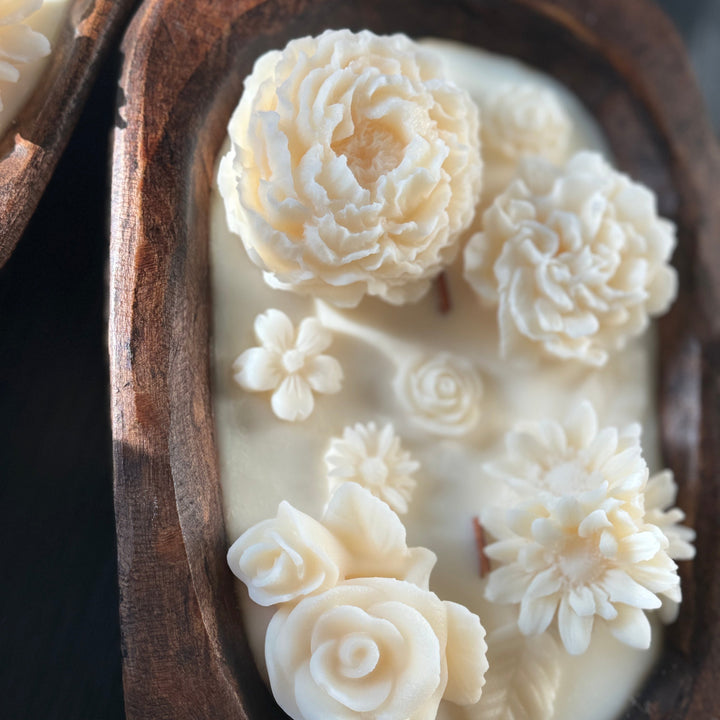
<point>420,562</point>
<point>595,521</point>
<point>21,44</point>
<point>537,614</point>
<point>661,491</point>
<point>631,627</point>
<point>313,337</point>
<point>582,601</point>
<point>623,589</point>
<point>575,631</point>
<point>507,584</point>
<point>274,330</point>
<point>582,425</point>
<point>639,546</point>
<point>466,653</point>
<point>546,583</point>
<point>293,400</point>
<point>257,369</point>
<point>324,374</point>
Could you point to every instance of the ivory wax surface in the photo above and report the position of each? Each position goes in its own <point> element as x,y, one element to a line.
<point>264,460</point>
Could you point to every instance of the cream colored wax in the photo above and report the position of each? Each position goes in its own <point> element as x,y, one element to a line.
<point>264,460</point>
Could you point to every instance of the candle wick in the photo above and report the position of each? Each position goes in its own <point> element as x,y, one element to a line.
<point>444,302</point>
<point>483,560</point>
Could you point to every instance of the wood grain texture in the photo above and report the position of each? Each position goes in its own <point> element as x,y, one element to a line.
<point>32,145</point>
<point>185,655</point>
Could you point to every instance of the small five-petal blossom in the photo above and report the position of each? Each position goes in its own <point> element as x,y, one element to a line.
<point>289,363</point>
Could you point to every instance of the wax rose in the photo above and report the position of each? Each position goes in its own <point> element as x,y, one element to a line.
<point>441,393</point>
<point>520,119</point>
<point>372,648</point>
<point>287,557</point>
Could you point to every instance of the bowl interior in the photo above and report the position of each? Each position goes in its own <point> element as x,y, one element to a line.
<point>180,87</point>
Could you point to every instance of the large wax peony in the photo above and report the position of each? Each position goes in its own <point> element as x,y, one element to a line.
<point>354,168</point>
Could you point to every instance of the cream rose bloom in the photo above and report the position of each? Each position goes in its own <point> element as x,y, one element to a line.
<point>293,555</point>
<point>354,168</point>
<point>576,258</point>
<point>287,557</point>
<point>374,648</point>
<point>442,393</point>
<point>524,119</point>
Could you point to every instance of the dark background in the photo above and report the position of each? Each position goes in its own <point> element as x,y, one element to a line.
<point>59,633</point>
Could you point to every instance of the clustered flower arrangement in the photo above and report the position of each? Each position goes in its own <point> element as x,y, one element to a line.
<point>357,633</point>
<point>355,170</point>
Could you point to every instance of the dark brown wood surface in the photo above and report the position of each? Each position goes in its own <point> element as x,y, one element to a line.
<point>35,140</point>
<point>183,646</point>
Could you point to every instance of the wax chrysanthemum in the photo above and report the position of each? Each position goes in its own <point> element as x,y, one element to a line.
<point>579,544</point>
<point>576,259</point>
<point>354,167</point>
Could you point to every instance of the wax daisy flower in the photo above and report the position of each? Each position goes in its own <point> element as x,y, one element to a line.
<point>551,460</point>
<point>374,459</point>
<point>354,168</point>
<point>289,363</point>
<point>659,500</point>
<point>575,258</point>
<point>19,44</point>
<point>582,560</point>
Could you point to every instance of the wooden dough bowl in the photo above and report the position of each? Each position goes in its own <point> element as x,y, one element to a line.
<point>184,651</point>
<point>32,145</point>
